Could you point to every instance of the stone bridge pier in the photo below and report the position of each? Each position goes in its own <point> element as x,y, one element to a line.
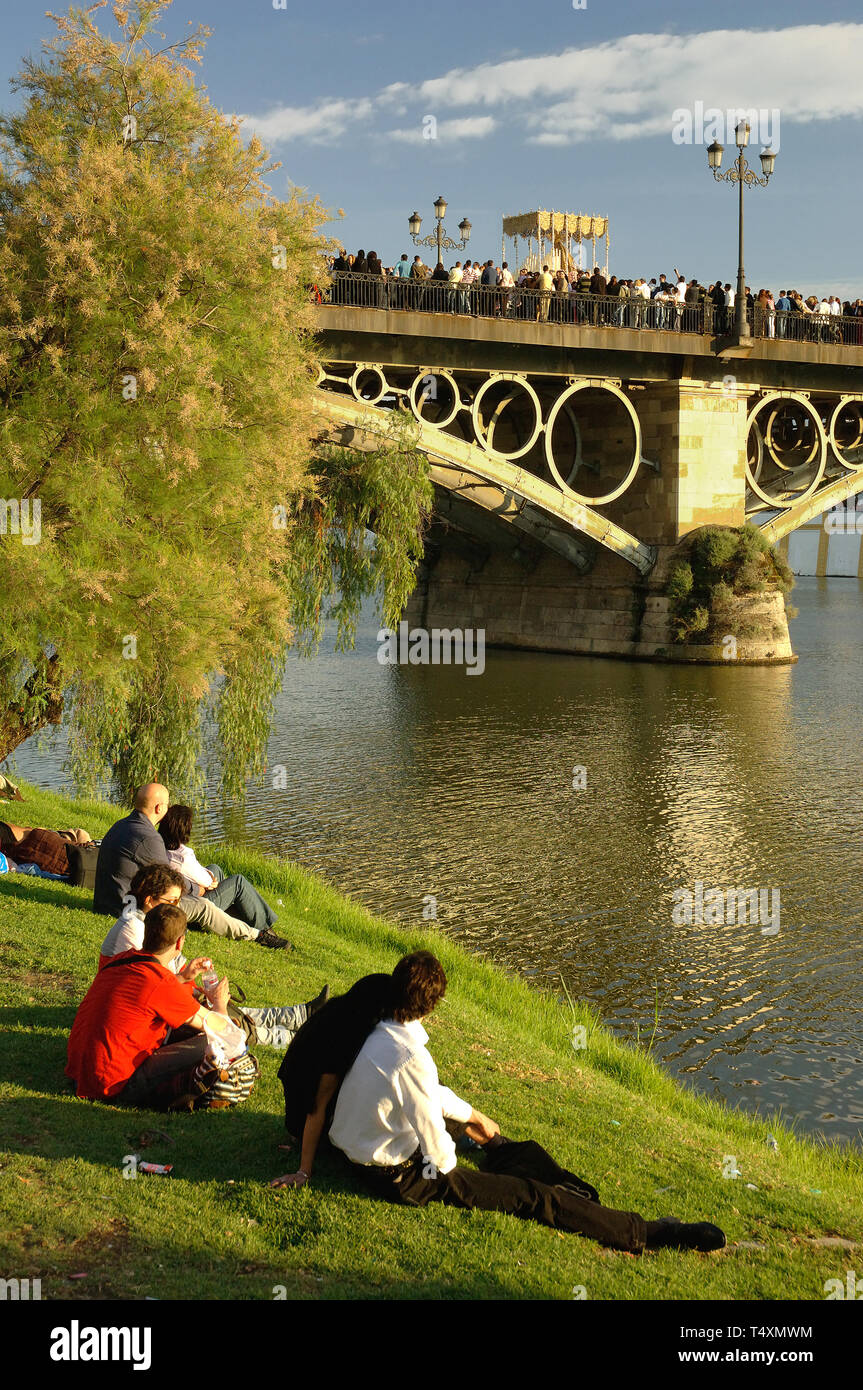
<point>482,573</point>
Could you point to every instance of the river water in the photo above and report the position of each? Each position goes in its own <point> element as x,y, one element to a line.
<point>423,789</point>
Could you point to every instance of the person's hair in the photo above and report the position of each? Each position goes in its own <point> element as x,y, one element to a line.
<point>418,983</point>
<point>153,879</point>
<point>329,1042</point>
<point>164,924</point>
<point>175,827</point>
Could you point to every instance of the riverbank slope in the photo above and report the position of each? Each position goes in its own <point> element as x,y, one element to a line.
<point>215,1230</point>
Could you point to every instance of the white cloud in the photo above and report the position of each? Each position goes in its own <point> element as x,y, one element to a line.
<point>325,122</point>
<point>625,89</point>
<point>464,128</point>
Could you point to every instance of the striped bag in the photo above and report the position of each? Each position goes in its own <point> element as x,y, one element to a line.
<point>235,1083</point>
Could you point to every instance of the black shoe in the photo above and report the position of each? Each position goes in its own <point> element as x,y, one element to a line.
<point>275,943</point>
<point>671,1233</point>
<point>318,1003</point>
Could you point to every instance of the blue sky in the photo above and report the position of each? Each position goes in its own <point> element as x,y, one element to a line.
<point>548,105</point>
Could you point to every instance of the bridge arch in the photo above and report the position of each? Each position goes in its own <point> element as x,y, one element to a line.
<point>765,442</point>
<point>562,403</point>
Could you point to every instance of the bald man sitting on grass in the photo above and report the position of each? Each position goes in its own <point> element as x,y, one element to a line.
<point>134,842</point>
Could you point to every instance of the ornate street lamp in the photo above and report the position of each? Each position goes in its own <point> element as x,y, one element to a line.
<point>439,237</point>
<point>741,174</point>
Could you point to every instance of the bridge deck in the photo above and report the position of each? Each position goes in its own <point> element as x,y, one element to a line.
<point>405,336</point>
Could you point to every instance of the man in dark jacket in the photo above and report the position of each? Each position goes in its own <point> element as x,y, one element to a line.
<point>133,842</point>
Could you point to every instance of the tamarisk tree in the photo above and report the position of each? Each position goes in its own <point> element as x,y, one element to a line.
<point>169,524</point>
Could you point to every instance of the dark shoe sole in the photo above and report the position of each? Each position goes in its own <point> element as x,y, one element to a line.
<point>702,1236</point>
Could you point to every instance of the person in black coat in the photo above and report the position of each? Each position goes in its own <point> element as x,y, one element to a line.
<point>320,1057</point>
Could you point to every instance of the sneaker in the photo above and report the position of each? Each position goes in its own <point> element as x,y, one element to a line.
<point>275,943</point>
<point>671,1233</point>
<point>319,1002</point>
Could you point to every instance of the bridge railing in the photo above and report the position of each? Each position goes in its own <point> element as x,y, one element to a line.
<point>792,326</point>
<point>538,306</point>
<point>583,310</point>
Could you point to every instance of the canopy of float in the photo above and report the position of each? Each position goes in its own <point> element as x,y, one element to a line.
<point>575,224</point>
<point>556,234</point>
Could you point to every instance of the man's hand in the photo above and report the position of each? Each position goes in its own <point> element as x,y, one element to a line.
<point>220,996</point>
<point>199,890</point>
<point>192,968</point>
<point>480,1128</point>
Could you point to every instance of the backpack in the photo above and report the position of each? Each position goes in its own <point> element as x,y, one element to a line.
<point>82,865</point>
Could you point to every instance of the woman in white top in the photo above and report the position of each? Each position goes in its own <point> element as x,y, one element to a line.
<point>233,893</point>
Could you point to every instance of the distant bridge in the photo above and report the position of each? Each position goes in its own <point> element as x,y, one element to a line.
<point>591,434</point>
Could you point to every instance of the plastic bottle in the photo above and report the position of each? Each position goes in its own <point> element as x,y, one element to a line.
<point>209,980</point>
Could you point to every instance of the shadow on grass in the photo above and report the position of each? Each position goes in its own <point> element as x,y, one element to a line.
<point>46,890</point>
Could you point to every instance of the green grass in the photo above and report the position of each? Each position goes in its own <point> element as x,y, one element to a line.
<point>215,1230</point>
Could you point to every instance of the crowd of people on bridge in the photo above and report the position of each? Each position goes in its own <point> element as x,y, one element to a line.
<point>580,296</point>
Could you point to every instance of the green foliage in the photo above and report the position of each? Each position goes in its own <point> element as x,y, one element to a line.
<point>679,585</point>
<point>157,365</point>
<point>722,564</point>
<point>352,491</point>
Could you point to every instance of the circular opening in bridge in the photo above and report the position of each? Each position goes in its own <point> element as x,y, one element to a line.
<point>786,450</point>
<point>435,398</point>
<point>369,384</point>
<point>507,417</point>
<point>846,433</point>
<point>604,421</point>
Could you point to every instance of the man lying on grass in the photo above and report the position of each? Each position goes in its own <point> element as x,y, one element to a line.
<point>396,1124</point>
<point>274,1026</point>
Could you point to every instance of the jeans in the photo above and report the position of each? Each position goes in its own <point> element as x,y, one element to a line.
<point>519,1178</point>
<point>167,1073</point>
<point>207,916</point>
<point>275,1026</point>
<point>38,872</point>
<point>236,897</point>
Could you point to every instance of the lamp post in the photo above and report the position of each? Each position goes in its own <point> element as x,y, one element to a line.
<point>439,237</point>
<point>740,174</point>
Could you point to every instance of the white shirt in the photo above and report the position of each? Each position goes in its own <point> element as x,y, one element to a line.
<point>391,1102</point>
<point>127,934</point>
<point>186,861</point>
<point>504,278</point>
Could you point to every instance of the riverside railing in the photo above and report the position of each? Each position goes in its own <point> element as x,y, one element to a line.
<point>584,310</point>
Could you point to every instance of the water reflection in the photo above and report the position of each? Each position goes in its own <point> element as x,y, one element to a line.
<point>407,781</point>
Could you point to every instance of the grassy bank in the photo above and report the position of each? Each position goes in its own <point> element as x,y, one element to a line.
<point>215,1230</point>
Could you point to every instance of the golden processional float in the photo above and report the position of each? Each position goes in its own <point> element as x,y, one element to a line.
<point>555,239</point>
